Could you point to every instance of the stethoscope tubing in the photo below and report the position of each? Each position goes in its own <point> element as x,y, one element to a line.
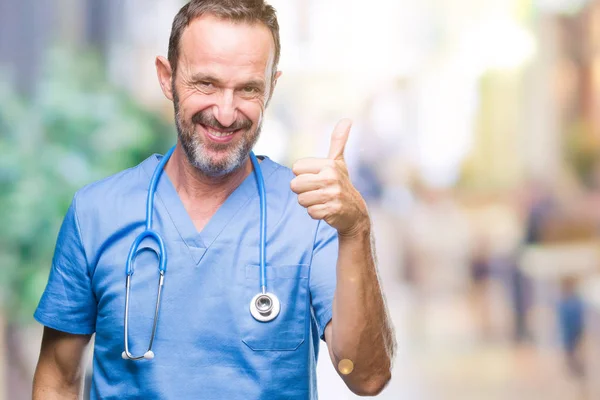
<point>263,223</point>
<point>162,255</point>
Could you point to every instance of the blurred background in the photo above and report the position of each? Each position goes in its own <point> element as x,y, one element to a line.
<point>476,142</point>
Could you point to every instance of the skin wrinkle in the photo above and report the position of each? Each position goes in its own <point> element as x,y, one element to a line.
<point>196,150</point>
<point>253,58</point>
<point>249,62</point>
<point>198,78</point>
<point>234,56</point>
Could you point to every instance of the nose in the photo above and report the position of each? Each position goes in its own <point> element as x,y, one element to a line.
<point>225,109</point>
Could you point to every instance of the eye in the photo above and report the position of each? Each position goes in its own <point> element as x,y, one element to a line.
<point>205,84</point>
<point>250,90</point>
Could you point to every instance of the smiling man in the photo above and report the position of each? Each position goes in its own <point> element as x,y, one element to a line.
<point>233,318</point>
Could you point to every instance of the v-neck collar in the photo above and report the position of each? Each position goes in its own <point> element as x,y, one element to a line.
<point>199,242</point>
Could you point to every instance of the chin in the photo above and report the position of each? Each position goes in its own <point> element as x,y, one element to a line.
<point>216,166</point>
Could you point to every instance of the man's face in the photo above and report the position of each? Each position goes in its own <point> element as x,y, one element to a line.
<point>222,84</point>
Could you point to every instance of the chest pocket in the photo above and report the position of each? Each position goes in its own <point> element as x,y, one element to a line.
<point>286,332</point>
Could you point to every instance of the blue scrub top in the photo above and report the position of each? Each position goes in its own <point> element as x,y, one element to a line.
<point>207,344</point>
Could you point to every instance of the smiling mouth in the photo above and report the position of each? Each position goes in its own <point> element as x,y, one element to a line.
<point>218,132</point>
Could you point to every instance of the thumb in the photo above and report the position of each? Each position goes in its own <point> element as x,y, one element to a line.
<point>339,138</point>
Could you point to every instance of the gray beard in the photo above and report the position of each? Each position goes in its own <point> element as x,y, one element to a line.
<point>195,150</point>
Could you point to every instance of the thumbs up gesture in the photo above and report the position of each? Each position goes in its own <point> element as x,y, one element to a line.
<point>323,187</point>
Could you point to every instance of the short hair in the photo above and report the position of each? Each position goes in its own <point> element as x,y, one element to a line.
<point>249,11</point>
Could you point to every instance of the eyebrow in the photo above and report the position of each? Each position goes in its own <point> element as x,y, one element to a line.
<point>201,77</point>
<point>204,78</point>
<point>254,83</point>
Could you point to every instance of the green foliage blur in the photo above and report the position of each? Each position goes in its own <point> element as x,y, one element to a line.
<point>76,128</point>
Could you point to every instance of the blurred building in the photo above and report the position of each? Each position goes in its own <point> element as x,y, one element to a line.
<point>121,31</point>
<point>576,84</point>
<point>481,96</point>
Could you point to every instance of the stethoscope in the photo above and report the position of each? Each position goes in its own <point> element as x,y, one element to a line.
<point>264,307</point>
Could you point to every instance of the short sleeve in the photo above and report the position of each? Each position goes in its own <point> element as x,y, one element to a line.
<point>68,303</point>
<point>323,274</point>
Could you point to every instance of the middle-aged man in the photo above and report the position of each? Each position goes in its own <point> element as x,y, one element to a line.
<point>209,341</point>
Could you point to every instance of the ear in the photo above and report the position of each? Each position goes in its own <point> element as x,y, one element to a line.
<point>277,75</point>
<point>273,84</point>
<point>165,76</point>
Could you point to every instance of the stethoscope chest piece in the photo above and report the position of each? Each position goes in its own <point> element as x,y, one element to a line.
<point>264,307</point>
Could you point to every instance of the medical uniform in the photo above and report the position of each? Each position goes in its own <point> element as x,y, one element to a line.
<point>207,344</point>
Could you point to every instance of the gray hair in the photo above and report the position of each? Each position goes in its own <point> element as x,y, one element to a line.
<point>249,11</point>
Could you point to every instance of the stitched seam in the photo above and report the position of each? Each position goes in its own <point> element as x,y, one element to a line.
<point>79,236</point>
<point>47,320</point>
<point>157,194</point>
<point>323,320</point>
<point>248,200</point>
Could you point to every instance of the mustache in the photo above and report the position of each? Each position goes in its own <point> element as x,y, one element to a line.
<point>206,118</point>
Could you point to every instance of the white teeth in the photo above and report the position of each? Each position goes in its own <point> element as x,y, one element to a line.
<point>219,134</point>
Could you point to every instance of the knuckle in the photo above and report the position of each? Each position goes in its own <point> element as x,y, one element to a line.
<point>336,207</point>
<point>328,177</point>
<point>331,192</point>
<point>333,173</point>
<point>327,182</point>
<point>301,199</point>
<point>336,192</point>
<point>322,194</point>
<point>294,185</point>
<point>295,168</point>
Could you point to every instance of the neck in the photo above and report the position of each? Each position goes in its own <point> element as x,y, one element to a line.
<point>202,195</point>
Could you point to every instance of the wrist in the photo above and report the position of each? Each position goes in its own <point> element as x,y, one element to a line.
<point>361,229</point>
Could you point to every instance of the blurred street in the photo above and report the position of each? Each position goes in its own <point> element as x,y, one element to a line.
<point>475,142</point>
<point>448,349</point>
<point>442,356</point>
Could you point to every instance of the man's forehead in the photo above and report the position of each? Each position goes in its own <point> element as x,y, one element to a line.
<point>212,40</point>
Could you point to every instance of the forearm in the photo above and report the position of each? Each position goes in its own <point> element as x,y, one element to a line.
<point>360,329</point>
<point>60,368</point>
<point>50,384</point>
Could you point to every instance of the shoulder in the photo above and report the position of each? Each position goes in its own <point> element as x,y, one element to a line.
<point>277,182</point>
<point>279,174</point>
<point>113,190</point>
<point>283,202</point>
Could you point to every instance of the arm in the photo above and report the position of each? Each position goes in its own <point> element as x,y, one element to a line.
<point>360,329</point>
<point>60,368</point>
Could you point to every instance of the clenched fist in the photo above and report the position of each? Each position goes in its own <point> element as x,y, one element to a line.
<point>323,187</point>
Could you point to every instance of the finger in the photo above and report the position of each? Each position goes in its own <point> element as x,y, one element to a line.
<point>311,165</point>
<point>339,138</point>
<point>318,211</point>
<point>306,183</point>
<point>312,198</point>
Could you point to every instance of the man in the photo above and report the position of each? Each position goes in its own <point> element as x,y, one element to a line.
<point>220,74</point>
